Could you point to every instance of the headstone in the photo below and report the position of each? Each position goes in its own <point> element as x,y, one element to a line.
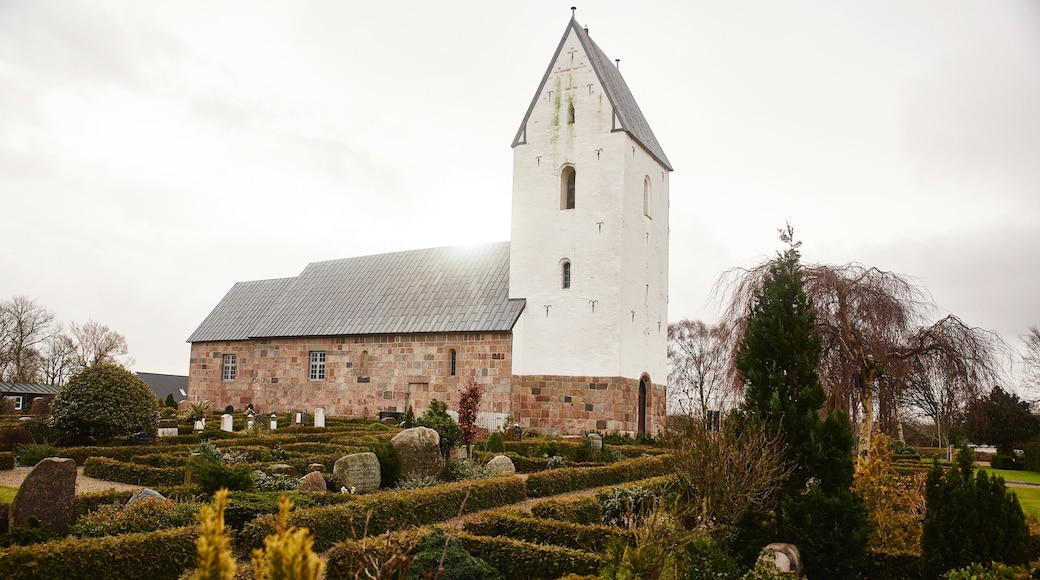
<point>297,418</point>
<point>785,557</point>
<point>274,421</point>
<point>200,425</point>
<point>420,452</point>
<point>358,472</point>
<point>313,482</point>
<point>597,443</point>
<point>280,468</point>
<point>227,423</point>
<point>319,417</point>
<point>143,494</point>
<point>390,421</point>
<point>48,494</point>
<point>319,467</point>
<point>167,428</point>
<point>501,465</point>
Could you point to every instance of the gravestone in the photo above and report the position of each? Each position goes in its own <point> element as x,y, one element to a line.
<point>200,425</point>
<point>785,557</point>
<point>167,428</point>
<point>313,482</point>
<point>316,467</point>
<point>319,417</point>
<point>227,423</point>
<point>358,472</point>
<point>420,452</point>
<point>297,418</point>
<point>283,468</point>
<point>144,494</point>
<point>501,465</point>
<point>48,494</point>
<point>274,421</point>
<point>597,443</point>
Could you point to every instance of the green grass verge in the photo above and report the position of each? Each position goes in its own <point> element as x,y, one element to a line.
<point>7,494</point>
<point>1029,499</point>
<point>1014,475</point>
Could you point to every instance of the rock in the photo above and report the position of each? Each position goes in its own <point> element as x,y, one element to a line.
<point>144,493</point>
<point>502,465</point>
<point>359,472</point>
<point>596,440</point>
<point>313,482</point>
<point>48,494</point>
<point>280,468</point>
<point>316,467</point>
<point>420,452</point>
<point>786,557</point>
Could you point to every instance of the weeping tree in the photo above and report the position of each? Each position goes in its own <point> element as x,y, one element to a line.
<point>877,345</point>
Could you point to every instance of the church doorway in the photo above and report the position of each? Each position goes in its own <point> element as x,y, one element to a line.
<point>643,383</point>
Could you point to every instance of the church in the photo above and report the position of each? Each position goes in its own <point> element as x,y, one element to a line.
<point>564,326</point>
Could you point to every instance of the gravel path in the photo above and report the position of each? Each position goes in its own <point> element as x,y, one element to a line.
<point>15,477</point>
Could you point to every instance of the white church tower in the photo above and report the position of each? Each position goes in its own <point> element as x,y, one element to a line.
<point>589,251</point>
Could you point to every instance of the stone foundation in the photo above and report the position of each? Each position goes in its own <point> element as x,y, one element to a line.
<point>574,405</point>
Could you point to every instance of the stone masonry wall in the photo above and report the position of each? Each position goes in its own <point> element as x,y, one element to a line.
<point>363,374</point>
<point>575,405</point>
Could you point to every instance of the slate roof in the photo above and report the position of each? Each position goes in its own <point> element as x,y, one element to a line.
<point>27,389</point>
<point>448,289</point>
<point>620,97</point>
<point>163,385</point>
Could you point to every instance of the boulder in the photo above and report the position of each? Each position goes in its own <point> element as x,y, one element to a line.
<point>143,494</point>
<point>283,468</point>
<point>316,467</point>
<point>313,482</point>
<point>501,465</point>
<point>420,452</point>
<point>48,494</point>
<point>359,472</point>
<point>785,557</point>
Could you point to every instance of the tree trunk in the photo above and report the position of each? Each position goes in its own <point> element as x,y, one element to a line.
<point>866,396</point>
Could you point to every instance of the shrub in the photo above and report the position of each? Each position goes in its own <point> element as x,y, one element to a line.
<point>626,507</point>
<point>33,453</point>
<point>1032,456</point>
<point>14,436</point>
<point>563,480</point>
<point>995,571</point>
<point>1006,462</point>
<point>274,482</point>
<point>466,469</point>
<point>144,515</point>
<point>6,460</point>
<point>458,563</point>
<point>437,418</point>
<point>213,559</point>
<point>891,501</point>
<point>417,482</point>
<point>211,476</point>
<point>377,427</point>
<point>389,463</point>
<point>495,443</point>
<point>287,553</point>
<point>577,510</point>
<point>112,470</point>
<point>515,559</point>
<point>970,519</point>
<point>104,401</point>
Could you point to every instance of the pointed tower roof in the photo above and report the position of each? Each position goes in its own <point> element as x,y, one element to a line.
<point>631,119</point>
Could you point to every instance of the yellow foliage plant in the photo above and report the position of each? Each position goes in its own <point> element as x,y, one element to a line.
<point>288,554</point>
<point>214,560</point>
<point>894,503</point>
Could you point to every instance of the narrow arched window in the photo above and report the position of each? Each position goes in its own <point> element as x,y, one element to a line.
<point>451,369</point>
<point>567,180</point>
<point>647,196</point>
<point>565,275</point>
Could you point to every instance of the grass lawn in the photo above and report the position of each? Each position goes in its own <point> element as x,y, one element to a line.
<point>1029,498</point>
<point>7,494</point>
<point>1014,475</point>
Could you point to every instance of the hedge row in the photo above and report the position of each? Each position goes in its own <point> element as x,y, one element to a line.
<point>576,510</point>
<point>658,484</point>
<point>516,559</point>
<point>161,555</point>
<point>559,481</point>
<point>523,464</point>
<point>245,506</point>
<point>515,525</point>
<point>112,470</point>
<point>385,511</point>
<point>91,501</point>
<point>6,460</point>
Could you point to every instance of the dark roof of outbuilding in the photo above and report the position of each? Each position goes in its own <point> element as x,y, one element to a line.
<point>27,389</point>
<point>163,385</point>
<point>617,91</point>
<point>449,289</point>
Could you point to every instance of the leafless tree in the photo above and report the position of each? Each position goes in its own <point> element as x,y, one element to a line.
<point>97,343</point>
<point>940,395</point>
<point>60,359</point>
<point>874,326</point>
<point>24,327</point>
<point>1031,359</point>
<point>699,380</point>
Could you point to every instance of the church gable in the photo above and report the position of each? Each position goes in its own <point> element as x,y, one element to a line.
<point>450,289</point>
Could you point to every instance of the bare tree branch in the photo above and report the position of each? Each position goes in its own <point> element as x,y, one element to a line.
<point>698,379</point>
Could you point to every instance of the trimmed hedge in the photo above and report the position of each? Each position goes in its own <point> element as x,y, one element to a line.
<point>390,510</point>
<point>6,460</point>
<point>576,510</point>
<point>161,555</point>
<point>522,463</point>
<point>516,559</point>
<point>245,506</point>
<point>112,470</point>
<point>91,501</point>
<point>559,481</point>
<point>511,524</point>
<point>885,565</point>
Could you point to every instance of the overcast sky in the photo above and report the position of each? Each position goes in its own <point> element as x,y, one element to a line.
<point>153,153</point>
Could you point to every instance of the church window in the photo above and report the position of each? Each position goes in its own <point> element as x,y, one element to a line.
<point>647,196</point>
<point>317,365</point>
<point>570,113</point>
<point>451,369</point>
<point>230,367</point>
<point>567,181</point>
<point>566,274</point>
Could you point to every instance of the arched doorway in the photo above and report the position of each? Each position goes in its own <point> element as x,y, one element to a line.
<point>644,384</point>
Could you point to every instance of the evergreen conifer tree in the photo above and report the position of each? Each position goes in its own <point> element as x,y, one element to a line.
<point>778,358</point>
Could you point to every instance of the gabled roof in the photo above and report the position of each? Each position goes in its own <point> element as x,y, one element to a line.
<point>449,289</point>
<point>163,385</point>
<point>625,108</point>
<point>27,389</point>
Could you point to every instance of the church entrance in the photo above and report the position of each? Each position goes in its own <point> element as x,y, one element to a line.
<point>642,404</point>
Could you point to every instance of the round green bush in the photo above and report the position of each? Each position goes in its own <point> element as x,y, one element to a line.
<point>104,402</point>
